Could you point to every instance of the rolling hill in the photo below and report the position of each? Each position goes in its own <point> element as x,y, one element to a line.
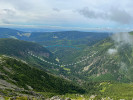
<point>108,60</point>
<point>99,62</point>
<point>20,49</point>
<point>73,39</point>
<point>101,67</point>
<point>19,78</point>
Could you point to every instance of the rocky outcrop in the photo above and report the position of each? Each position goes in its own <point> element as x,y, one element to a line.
<point>58,98</point>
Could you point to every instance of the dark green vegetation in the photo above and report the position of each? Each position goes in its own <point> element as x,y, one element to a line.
<point>22,75</point>
<point>107,91</point>
<point>113,62</point>
<point>12,33</point>
<point>103,65</point>
<point>52,38</point>
<point>66,38</point>
<point>118,91</point>
<point>14,47</point>
<point>19,49</point>
<point>108,64</point>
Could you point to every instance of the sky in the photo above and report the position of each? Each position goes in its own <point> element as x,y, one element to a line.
<point>107,15</point>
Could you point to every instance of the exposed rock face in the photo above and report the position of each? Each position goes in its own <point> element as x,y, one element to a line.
<point>1,98</point>
<point>58,98</point>
<point>6,85</point>
<point>67,99</point>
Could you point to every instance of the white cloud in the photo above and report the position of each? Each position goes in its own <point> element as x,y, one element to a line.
<point>97,13</point>
<point>112,51</point>
<point>114,14</point>
<point>123,38</point>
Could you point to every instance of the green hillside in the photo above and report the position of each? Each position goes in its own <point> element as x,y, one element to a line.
<point>77,39</point>
<point>109,60</point>
<point>106,91</point>
<point>22,77</point>
<point>20,48</point>
<point>100,68</point>
<point>97,64</point>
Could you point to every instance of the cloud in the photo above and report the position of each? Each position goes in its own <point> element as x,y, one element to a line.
<point>114,14</point>
<point>123,42</point>
<point>91,13</point>
<point>120,16</point>
<point>123,38</point>
<point>88,13</point>
<point>56,9</point>
<point>6,14</point>
<point>112,51</point>
<point>120,39</point>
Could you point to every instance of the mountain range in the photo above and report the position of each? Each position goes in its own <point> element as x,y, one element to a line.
<point>30,63</point>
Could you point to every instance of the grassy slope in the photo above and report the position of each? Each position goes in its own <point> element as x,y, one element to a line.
<point>40,81</point>
<point>106,91</point>
<point>105,66</point>
<point>70,38</point>
<point>20,49</point>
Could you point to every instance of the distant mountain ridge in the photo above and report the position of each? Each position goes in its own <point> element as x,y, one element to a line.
<point>76,39</point>
<point>97,68</point>
<point>103,68</point>
<point>47,36</point>
<point>20,48</point>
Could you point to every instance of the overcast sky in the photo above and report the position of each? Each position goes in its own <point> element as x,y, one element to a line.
<point>68,14</point>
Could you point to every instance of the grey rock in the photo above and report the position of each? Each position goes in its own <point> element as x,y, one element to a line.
<point>56,98</point>
<point>67,99</point>
<point>1,98</point>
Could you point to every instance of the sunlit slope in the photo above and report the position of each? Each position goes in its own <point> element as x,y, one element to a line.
<point>106,91</point>
<point>113,60</point>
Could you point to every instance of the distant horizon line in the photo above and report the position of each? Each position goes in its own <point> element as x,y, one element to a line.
<point>36,28</point>
<point>51,30</point>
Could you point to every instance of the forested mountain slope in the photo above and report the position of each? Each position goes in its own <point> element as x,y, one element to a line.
<point>112,61</point>
<point>18,78</point>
